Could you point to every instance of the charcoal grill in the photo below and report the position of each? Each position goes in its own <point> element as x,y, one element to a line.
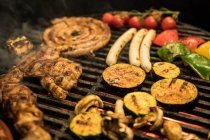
<point>58,113</point>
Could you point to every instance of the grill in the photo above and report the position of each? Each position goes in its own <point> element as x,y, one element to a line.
<point>57,113</point>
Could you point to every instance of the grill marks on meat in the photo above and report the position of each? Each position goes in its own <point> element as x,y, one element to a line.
<point>18,103</point>
<point>19,46</point>
<point>77,35</point>
<point>58,75</point>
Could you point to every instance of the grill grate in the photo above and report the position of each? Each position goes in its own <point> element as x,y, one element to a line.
<point>57,113</point>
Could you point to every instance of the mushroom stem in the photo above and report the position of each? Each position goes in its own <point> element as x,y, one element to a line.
<point>119,107</point>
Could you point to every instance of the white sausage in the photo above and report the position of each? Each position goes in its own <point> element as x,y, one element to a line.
<point>134,49</point>
<point>119,44</point>
<point>145,50</point>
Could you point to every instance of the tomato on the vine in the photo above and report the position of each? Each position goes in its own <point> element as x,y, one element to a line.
<point>135,22</point>
<point>117,22</point>
<point>168,23</point>
<point>108,18</point>
<point>150,22</point>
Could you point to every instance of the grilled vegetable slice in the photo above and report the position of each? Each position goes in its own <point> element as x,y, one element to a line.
<point>166,70</point>
<point>139,102</point>
<point>199,63</point>
<point>174,91</point>
<point>124,75</point>
<point>86,125</point>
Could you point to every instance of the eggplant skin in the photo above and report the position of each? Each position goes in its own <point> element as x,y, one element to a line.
<point>166,70</point>
<point>124,76</point>
<point>174,92</point>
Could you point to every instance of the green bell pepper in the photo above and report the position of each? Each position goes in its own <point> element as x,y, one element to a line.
<point>172,50</point>
<point>199,63</point>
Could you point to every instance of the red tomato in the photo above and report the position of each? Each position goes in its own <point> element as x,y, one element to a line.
<point>117,22</point>
<point>166,37</point>
<point>192,42</point>
<point>150,22</point>
<point>135,22</point>
<point>107,18</point>
<point>168,23</point>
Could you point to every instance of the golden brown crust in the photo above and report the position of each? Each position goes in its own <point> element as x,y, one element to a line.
<point>124,75</point>
<point>174,91</point>
<point>77,35</point>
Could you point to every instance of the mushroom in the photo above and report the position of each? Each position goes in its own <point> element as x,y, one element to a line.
<point>172,130</point>
<point>115,124</point>
<point>154,119</point>
<point>190,137</point>
<point>88,101</point>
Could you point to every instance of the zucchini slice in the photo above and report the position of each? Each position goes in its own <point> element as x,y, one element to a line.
<point>124,75</point>
<point>139,102</point>
<point>86,125</point>
<point>166,70</point>
<point>174,91</point>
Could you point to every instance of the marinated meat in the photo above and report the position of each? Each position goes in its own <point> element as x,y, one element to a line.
<point>19,46</point>
<point>18,103</point>
<point>77,35</point>
<point>58,75</point>
<point>5,133</point>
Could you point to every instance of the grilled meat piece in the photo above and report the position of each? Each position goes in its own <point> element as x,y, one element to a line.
<point>58,75</point>
<point>14,75</point>
<point>18,103</point>
<point>12,94</point>
<point>5,133</point>
<point>19,46</point>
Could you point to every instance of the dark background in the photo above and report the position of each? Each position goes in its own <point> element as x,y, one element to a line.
<point>14,12</point>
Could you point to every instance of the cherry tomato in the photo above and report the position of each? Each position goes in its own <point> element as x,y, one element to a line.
<point>150,22</point>
<point>135,22</point>
<point>117,22</point>
<point>168,23</point>
<point>107,18</point>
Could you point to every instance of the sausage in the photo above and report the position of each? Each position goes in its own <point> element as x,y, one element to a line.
<point>134,49</point>
<point>145,50</point>
<point>119,44</point>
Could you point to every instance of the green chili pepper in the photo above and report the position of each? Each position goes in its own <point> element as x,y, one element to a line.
<point>199,63</point>
<point>172,50</point>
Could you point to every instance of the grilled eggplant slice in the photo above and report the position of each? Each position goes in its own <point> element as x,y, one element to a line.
<point>139,103</point>
<point>86,125</point>
<point>166,70</point>
<point>174,91</point>
<point>124,76</point>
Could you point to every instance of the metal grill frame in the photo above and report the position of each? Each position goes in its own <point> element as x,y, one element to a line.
<point>58,113</point>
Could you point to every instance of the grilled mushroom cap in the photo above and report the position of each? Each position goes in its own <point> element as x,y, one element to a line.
<point>115,124</point>
<point>172,130</point>
<point>154,119</point>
